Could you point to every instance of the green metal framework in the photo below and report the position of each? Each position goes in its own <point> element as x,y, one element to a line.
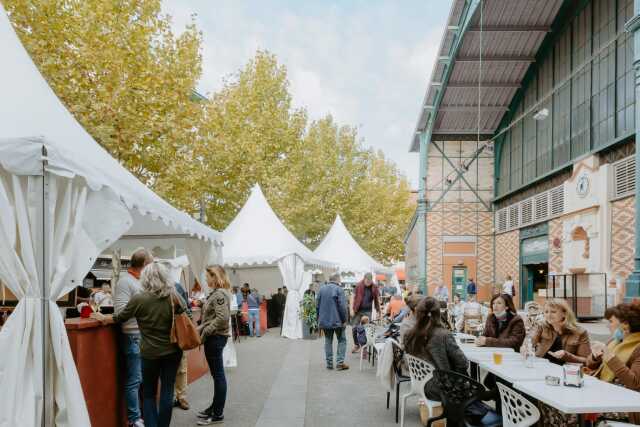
<point>425,138</point>
<point>583,74</point>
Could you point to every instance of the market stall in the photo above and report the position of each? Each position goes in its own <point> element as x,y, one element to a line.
<point>259,250</point>
<point>63,201</point>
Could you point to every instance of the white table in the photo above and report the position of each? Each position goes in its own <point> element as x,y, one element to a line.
<point>472,348</point>
<point>594,397</point>
<point>516,370</point>
<point>480,356</point>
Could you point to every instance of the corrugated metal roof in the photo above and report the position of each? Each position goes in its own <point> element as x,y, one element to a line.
<point>510,34</point>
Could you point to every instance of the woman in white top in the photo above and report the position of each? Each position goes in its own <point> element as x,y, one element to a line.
<point>507,286</point>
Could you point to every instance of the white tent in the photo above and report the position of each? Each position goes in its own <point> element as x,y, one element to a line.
<point>257,246</point>
<point>63,200</point>
<point>339,247</point>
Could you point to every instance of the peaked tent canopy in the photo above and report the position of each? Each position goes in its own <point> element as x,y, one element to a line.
<point>63,200</point>
<point>256,236</point>
<point>340,247</point>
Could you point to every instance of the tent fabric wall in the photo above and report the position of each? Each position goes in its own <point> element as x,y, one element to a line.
<point>76,238</point>
<point>199,254</point>
<point>292,269</point>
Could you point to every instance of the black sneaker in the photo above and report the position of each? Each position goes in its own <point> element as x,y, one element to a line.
<point>214,419</point>
<point>330,367</point>
<point>203,414</point>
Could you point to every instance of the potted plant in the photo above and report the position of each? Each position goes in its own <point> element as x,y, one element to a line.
<point>309,317</point>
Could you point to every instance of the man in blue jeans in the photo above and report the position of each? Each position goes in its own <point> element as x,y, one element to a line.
<point>127,287</point>
<point>253,304</point>
<point>331,308</point>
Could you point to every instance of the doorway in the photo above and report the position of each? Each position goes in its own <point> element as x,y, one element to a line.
<point>459,282</point>
<point>534,279</point>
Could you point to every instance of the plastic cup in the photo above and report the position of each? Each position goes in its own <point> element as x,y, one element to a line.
<point>497,358</point>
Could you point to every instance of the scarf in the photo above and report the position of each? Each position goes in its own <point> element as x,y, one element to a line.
<point>134,273</point>
<point>623,351</point>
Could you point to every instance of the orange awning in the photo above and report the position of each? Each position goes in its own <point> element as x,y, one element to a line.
<point>401,274</point>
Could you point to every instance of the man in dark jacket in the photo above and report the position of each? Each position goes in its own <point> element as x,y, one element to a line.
<point>331,308</point>
<point>366,297</point>
<point>472,289</point>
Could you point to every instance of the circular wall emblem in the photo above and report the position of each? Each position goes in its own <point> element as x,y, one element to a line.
<point>582,186</point>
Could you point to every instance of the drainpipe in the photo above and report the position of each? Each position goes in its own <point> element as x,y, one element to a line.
<point>632,290</point>
<point>422,215</point>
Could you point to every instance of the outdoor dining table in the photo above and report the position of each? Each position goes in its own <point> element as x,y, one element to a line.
<point>513,370</point>
<point>594,397</point>
<point>472,348</point>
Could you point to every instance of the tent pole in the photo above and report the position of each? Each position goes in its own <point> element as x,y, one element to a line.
<point>47,400</point>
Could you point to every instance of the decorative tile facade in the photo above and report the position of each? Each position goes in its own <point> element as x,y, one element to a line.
<point>485,261</point>
<point>555,246</point>
<point>434,259</point>
<point>508,257</point>
<point>622,237</point>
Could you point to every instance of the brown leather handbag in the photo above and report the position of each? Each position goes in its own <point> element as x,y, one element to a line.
<point>183,331</point>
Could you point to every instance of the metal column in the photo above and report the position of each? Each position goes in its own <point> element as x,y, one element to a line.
<point>633,26</point>
<point>422,216</point>
<point>42,328</point>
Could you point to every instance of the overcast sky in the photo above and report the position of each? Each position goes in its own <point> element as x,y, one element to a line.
<point>366,62</point>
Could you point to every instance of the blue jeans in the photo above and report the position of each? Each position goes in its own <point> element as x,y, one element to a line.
<point>133,378</point>
<point>165,370</point>
<point>213,347</point>
<point>254,316</point>
<point>328,345</point>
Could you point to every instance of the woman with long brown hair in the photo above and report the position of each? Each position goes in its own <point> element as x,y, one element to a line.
<point>430,341</point>
<point>504,328</point>
<point>214,332</point>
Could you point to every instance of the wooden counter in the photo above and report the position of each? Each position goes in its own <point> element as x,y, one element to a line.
<point>95,349</point>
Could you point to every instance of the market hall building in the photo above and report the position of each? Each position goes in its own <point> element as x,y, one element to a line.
<point>526,137</point>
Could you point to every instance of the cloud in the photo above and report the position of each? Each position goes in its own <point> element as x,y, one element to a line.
<point>367,63</point>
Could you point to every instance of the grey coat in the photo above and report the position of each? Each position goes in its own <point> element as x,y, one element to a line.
<point>442,352</point>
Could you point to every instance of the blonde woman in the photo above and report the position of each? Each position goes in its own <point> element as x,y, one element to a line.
<point>214,331</point>
<point>559,338</point>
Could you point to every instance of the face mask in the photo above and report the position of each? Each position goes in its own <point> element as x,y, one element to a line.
<point>618,335</point>
<point>500,314</point>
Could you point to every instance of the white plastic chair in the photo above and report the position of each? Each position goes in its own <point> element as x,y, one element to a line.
<point>420,372</point>
<point>516,410</point>
<point>371,341</point>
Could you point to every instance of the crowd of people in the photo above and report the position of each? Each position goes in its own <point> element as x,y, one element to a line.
<point>426,327</point>
<point>146,302</point>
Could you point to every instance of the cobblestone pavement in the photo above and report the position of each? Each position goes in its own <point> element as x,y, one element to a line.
<point>262,393</point>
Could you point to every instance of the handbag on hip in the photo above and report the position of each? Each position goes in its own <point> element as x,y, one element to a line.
<point>183,331</point>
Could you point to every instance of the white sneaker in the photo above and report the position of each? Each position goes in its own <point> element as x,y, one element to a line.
<point>139,423</point>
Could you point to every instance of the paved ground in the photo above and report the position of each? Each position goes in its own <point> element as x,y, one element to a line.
<point>284,383</point>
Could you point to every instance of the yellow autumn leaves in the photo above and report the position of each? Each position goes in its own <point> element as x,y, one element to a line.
<point>129,80</point>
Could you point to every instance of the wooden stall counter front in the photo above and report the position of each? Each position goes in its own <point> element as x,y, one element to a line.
<point>95,349</point>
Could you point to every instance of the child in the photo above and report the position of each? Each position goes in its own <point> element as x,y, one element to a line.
<point>361,334</point>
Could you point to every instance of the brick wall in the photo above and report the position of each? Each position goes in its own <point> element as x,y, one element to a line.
<point>555,253</point>
<point>622,237</point>
<point>508,257</point>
